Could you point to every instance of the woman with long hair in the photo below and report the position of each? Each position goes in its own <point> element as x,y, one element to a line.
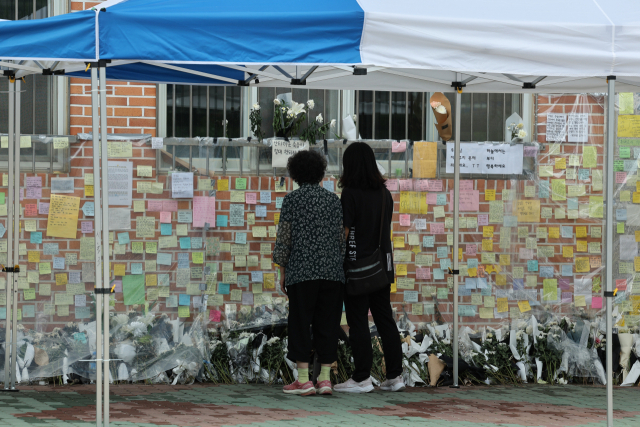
<point>364,199</point>
<point>310,252</point>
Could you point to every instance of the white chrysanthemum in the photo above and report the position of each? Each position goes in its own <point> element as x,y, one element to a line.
<point>529,330</point>
<point>121,319</point>
<point>441,109</point>
<point>319,118</point>
<point>256,107</point>
<point>311,104</point>
<point>273,340</point>
<point>276,101</point>
<point>522,133</point>
<point>520,125</point>
<point>138,329</point>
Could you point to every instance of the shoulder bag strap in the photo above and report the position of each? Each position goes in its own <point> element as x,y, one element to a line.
<point>384,202</point>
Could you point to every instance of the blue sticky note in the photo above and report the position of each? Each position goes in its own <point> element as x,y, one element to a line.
<point>464,292</point>
<point>567,270</point>
<point>518,284</point>
<point>184,299</point>
<point>2,230</point>
<point>82,312</point>
<point>136,267</point>
<point>123,238</point>
<point>481,282</point>
<point>441,199</point>
<point>241,238</point>
<point>583,174</point>
<point>36,237</point>
<point>621,214</point>
<point>3,313</point>
<point>88,209</point>
<point>183,260</point>
<point>445,263</point>
<point>428,241</point>
<point>546,271</point>
<point>223,288</point>
<point>196,243</point>
<point>256,276</point>
<point>466,310</point>
<point>486,291</point>
<point>510,221</point>
<point>261,211</point>
<point>161,259</point>
<point>166,229</point>
<point>221,220</point>
<point>185,243</point>
<point>243,280</point>
<point>442,252</point>
<point>265,197</point>
<point>28,311</point>
<point>567,231</point>
<point>470,283</point>
<point>58,263</point>
<point>543,189</point>
<point>572,203</point>
<point>532,265</point>
<point>279,202</point>
<point>50,249</point>
<point>328,185</point>
<point>472,263</point>
<point>438,274</point>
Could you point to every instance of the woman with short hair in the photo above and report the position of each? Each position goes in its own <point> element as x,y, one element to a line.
<point>310,251</point>
<point>364,199</point>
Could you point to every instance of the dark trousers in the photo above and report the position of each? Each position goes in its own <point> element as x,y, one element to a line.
<point>316,304</point>
<point>357,310</point>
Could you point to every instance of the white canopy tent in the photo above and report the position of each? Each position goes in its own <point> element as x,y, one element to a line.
<point>406,45</point>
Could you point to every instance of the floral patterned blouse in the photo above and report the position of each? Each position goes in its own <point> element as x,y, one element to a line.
<point>310,241</point>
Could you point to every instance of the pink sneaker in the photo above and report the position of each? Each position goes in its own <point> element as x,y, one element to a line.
<point>324,387</point>
<point>305,389</point>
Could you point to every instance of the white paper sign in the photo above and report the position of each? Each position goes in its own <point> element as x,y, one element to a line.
<point>628,248</point>
<point>486,158</point>
<point>578,127</point>
<point>120,181</point>
<point>157,143</point>
<point>182,185</point>
<point>281,150</point>
<point>556,127</point>
<point>62,185</point>
<point>119,219</point>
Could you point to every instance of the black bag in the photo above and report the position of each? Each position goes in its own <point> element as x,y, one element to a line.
<point>368,275</point>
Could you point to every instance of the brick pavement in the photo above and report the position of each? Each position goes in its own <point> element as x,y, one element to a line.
<point>264,406</point>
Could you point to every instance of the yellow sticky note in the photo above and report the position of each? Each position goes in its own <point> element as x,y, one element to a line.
<point>636,263</point>
<point>561,163</point>
<point>581,232</point>
<point>487,231</point>
<point>276,218</point>
<point>145,171</point>
<point>524,306</point>
<point>151,280</point>
<point>398,242</point>
<point>119,270</point>
<point>34,256</point>
<point>620,228</point>
<point>472,272</point>
<point>625,196</point>
<point>628,126</point>
<point>567,251</point>
<point>582,265</point>
<point>489,195</point>
<point>582,246</point>
<point>197,257</point>
<point>61,279</point>
<point>401,270</point>
<point>223,185</point>
<point>487,245</point>
<point>503,305</point>
<point>183,311</point>
<point>501,280</point>
<point>636,197</point>
<point>88,191</point>
<point>580,301</point>
<point>554,232</point>
<point>505,260</point>
<point>25,141</point>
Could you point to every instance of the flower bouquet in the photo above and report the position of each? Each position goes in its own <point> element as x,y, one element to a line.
<point>289,116</point>
<point>517,132</point>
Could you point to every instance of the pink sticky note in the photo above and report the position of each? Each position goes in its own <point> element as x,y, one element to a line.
<point>214,315</point>
<point>435,185</point>
<point>165,217</point>
<point>596,302</point>
<point>567,297</point>
<point>530,151</point>
<point>526,253</point>
<point>154,205</point>
<point>483,219</point>
<point>466,184</point>
<point>621,284</point>
<point>621,177</point>
<point>432,198</point>
<point>204,211</point>
<point>436,228</point>
<point>405,220</point>
<point>43,208</point>
<point>469,200</point>
<point>86,226</point>
<point>21,194</point>
<point>118,284</point>
<point>33,182</point>
<point>170,206</point>
<point>392,184</point>
<point>34,193</point>
<point>398,146</point>
<point>250,198</point>
<point>422,185</point>
<point>406,185</point>
<point>423,273</point>
<point>471,249</point>
<point>31,209</point>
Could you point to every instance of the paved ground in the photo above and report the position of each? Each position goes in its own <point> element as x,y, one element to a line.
<point>263,406</point>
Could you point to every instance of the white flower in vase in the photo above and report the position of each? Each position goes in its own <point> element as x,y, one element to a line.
<point>319,118</point>
<point>256,107</point>
<point>333,123</point>
<point>276,101</point>
<point>521,133</point>
<point>296,108</point>
<point>311,104</point>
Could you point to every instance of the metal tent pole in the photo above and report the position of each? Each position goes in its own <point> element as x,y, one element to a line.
<point>611,80</point>
<point>16,236</point>
<point>10,202</point>
<point>456,212</point>
<point>98,247</point>
<point>105,233</point>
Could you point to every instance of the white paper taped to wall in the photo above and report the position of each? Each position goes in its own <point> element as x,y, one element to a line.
<point>488,159</point>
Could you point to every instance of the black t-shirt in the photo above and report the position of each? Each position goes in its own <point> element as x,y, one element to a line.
<point>361,210</point>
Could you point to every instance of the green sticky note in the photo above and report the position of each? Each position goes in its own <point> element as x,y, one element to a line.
<point>618,166</point>
<point>241,184</point>
<point>625,152</point>
<point>621,228</point>
<point>133,289</point>
<point>442,293</point>
<point>625,103</point>
<point>1,198</point>
<point>29,294</point>
<point>183,311</point>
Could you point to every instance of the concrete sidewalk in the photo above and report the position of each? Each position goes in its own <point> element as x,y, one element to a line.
<point>262,406</point>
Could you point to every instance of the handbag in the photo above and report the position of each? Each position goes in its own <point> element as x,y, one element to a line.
<point>369,274</point>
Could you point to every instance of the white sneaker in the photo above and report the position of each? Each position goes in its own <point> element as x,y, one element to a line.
<point>351,386</point>
<point>396,384</point>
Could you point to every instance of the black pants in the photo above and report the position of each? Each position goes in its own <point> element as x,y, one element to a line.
<point>357,310</point>
<point>317,303</point>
